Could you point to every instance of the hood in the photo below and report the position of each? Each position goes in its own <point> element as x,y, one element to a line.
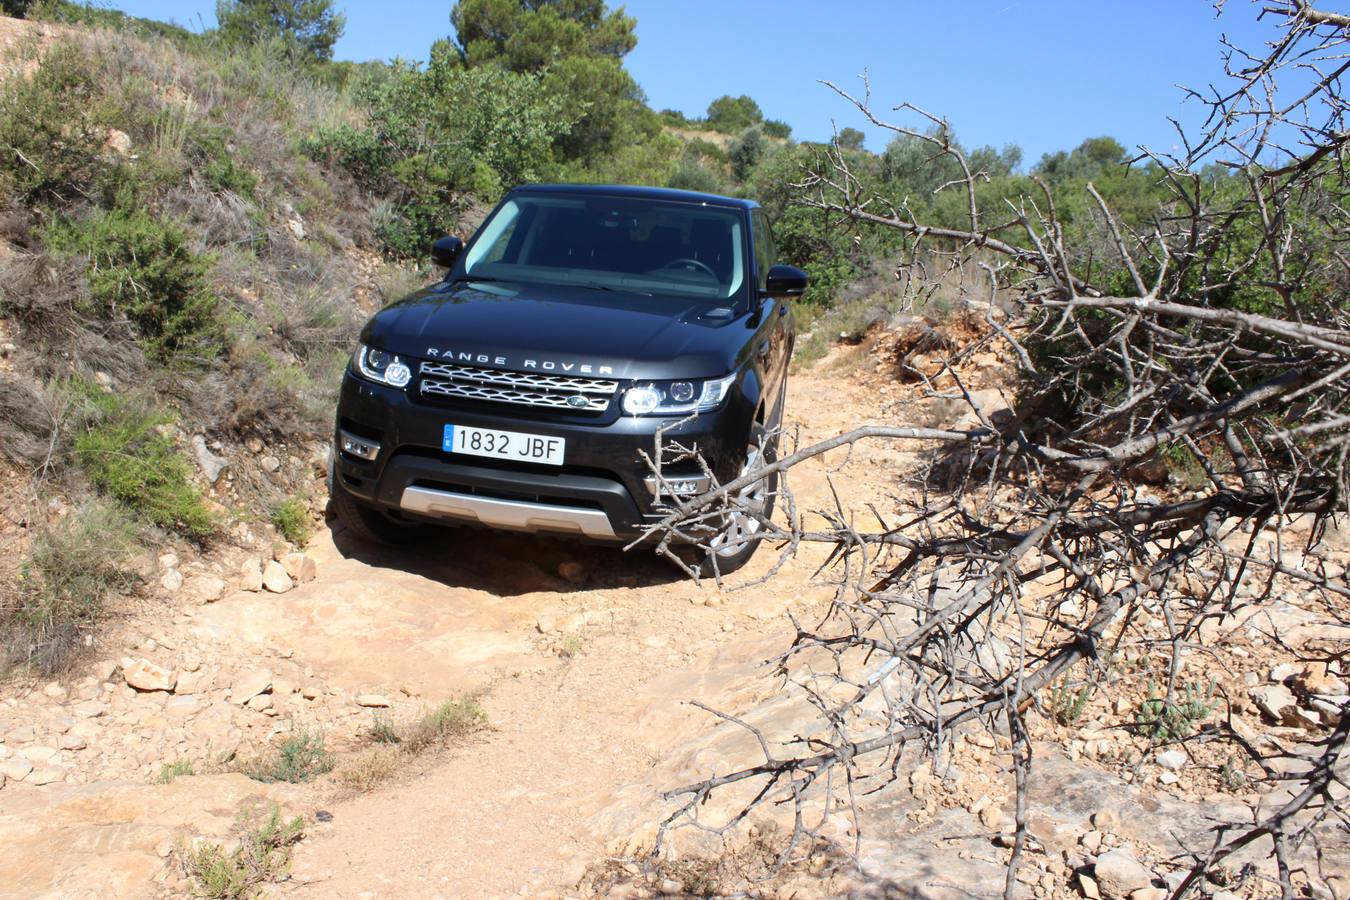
<point>562,330</point>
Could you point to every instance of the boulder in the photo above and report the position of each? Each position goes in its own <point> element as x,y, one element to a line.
<point>300,567</point>
<point>249,685</point>
<point>373,701</point>
<point>251,574</point>
<point>1119,874</point>
<point>206,588</point>
<point>171,580</point>
<point>275,579</point>
<point>144,675</point>
<point>1276,702</point>
<point>211,465</point>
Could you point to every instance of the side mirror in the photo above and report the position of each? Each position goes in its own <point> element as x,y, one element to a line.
<point>446,250</point>
<point>785,281</point>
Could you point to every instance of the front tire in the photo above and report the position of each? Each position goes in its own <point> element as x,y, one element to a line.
<point>743,523</point>
<point>366,522</point>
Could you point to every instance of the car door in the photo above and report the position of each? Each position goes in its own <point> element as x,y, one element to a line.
<point>776,323</point>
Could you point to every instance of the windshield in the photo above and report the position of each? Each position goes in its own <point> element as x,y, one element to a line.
<point>613,243</point>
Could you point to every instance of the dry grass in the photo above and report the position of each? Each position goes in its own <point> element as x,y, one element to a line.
<point>398,744</point>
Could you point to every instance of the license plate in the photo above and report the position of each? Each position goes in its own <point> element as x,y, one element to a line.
<point>535,448</point>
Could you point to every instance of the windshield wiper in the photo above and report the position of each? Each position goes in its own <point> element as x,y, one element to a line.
<point>596,286</point>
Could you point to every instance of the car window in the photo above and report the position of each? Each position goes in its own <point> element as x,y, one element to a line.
<point>623,243</point>
<point>764,257</point>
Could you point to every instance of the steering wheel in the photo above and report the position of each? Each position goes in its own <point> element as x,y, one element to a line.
<point>690,263</point>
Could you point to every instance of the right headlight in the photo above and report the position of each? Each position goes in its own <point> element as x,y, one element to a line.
<point>381,366</point>
<point>673,398</point>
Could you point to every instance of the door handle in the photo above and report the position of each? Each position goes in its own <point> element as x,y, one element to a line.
<point>782,309</point>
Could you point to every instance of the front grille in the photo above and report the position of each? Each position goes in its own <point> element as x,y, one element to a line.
<point>517,388</point>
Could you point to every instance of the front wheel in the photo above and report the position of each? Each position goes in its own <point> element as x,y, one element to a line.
<point>366,522</point>
<point>743,522</point>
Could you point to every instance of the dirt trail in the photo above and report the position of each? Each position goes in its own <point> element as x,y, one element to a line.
<point>508,813</point>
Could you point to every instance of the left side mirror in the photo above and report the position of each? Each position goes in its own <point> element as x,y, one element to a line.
<point>445,250</point>
<point>785,281</point>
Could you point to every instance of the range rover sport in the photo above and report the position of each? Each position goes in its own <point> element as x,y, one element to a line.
<point>522,391</point>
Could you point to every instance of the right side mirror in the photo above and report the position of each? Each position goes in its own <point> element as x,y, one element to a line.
<point>446,250</point>
<point>785,281</point>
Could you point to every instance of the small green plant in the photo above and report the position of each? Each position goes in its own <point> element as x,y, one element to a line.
<point>571,645</point>
<point>263,855</point>
<point>179,768</point>
<point>126,453</point>
<point>301,757</point>
<point>453,718</point>
<point>291,517</point>
<point>72,570</point>
<point>1166,721</point>
<point>1066,703</point>
<point>382,730</point>
<point>1233,777</point>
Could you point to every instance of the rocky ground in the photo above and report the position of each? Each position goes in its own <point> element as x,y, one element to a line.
<point>583,660</point>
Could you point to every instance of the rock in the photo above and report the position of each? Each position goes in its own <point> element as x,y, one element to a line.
<point>40,755</point>
<point>1315,679</point>
<point>1285,671</point>
<point>144,675</point>
<point>1276,701</point>
<point>1088,886</point>
<point>181,707</point>
<point>194,682</point>
<point>373,701</point>
<point>300,567</point>
<point>89,709</point>
<point>275,579</point>
<point>47,775</point>
<point>1106,819</point>
<point>72,742</point>
<point>1174,760</point>
<point>1119,874</point>
<point>15,769</point>
<point>118,142</point>
<point>312,690</point>
<point>211,465</point>
<point>206,588</point>
<point>249,685</point>
<point>297,228</point>
<point>21,735</point>
<point>260,702</point>
<point>269,464</point>
<point>251,575</point>
<point>991,817</point>
<point>54,689</point>
<point>171,581</point>
<point>1149,893</point>
<point>572,571</point>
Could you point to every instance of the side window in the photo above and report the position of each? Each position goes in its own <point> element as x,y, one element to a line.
<point>764,257</point>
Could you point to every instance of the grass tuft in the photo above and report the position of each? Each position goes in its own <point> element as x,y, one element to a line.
<point>291,517</point>
<point>301,757</point>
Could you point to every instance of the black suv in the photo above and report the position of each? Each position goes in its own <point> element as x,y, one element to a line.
<point>524,390</point>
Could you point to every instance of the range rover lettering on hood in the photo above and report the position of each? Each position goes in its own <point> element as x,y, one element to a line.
<point>539,365</point>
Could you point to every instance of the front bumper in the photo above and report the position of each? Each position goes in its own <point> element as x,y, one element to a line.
<point>601,492</point>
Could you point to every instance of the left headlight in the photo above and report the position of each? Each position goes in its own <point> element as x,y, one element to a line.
<point>382,366</point>
<point>673,398</point>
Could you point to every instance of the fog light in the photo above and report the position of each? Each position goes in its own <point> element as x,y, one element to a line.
<point>355,446</point>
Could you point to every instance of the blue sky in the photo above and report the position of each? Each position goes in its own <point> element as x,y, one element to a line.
<point>1044,74</point>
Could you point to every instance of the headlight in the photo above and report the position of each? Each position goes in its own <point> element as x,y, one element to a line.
<point>382,366</point>
<point>672,398</point>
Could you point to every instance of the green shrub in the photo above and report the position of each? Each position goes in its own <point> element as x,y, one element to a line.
<point>141,268</point>
<point>126,455</point>
<point>291,517</point>
<point>301,757</point>
<point>52,128</point>
<point>1168,720</point>
<point>1067,704</point>
<point>72,570</point>
<point>263,855</point>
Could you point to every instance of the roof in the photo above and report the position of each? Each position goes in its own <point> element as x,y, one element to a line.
<point>645,193</point>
